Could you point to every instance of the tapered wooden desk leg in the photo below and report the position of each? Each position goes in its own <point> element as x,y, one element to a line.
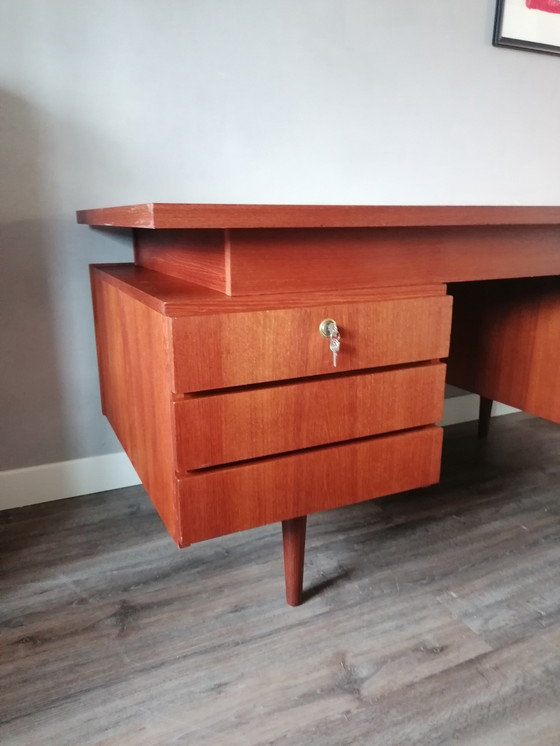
<point>293,535</point>
<point>484,416</point>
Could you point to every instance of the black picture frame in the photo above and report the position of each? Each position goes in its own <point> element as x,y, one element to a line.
<point>499,40</point>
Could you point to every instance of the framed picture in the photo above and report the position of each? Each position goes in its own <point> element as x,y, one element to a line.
<point>528,24</point>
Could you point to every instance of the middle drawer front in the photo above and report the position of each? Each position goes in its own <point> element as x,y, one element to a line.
<point>238,425</point>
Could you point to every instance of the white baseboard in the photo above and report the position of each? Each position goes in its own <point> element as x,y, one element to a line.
<point>46,482</point>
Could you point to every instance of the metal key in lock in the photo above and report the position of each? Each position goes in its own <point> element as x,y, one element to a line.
<point>328,328</point>
<point>335,346</point>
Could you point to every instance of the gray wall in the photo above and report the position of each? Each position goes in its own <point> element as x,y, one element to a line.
<point>323,101</point>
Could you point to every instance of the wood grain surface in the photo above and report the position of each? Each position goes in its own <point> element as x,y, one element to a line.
<point>176,215</point>
<point>431,617</point>
<point>144,356</point>
<point>293,540</point>
<point>506,343</point>
<point>262,261</point>
<point>197,255</point>
<point>134,375</point>
<point>297,260</point>
<point>175,297</point>
<point>241,496</point>
<point>243,424</point>
<point>284,343</point>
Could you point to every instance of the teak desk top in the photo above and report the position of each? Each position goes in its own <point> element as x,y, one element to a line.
<point>177,215</point>
<point>243,250</point>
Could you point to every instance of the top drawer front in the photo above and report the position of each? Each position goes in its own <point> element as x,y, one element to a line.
<point>234,349</point>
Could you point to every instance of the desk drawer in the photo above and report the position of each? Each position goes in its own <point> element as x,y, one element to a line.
<point>227,499</point>
<point>222,428</point>
<point>222,350</point>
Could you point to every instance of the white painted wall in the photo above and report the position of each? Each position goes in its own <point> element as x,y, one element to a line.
<point>323,101</point>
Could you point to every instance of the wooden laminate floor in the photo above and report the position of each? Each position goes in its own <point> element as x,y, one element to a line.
<point>432,617</point>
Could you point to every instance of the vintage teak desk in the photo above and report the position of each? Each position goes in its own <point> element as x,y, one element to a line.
<point>217,350</point>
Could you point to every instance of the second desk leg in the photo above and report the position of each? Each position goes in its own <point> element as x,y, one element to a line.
<point>484,415</point>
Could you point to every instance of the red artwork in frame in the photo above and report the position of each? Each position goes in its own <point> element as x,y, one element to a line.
<point>549,6</point>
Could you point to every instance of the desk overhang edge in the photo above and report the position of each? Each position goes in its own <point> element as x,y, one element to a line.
<point>159,215</point>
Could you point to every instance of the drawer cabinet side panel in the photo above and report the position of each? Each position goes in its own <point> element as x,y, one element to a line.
<point>134,377</point>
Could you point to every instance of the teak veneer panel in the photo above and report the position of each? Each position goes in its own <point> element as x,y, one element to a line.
<point>176,297</point>
<point>506,343</point>
<point>263,249</point>
<point>278,488</point>
<point>285,343</point>
<point>300,260</point>
<point>177,215</point>
<point>134,374</point>
<point>264,261</point>
<point>197,256</point>
<point>223,428</point>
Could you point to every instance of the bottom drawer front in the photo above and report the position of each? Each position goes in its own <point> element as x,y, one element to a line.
<point>224,428</point>
<point>235,498</point>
